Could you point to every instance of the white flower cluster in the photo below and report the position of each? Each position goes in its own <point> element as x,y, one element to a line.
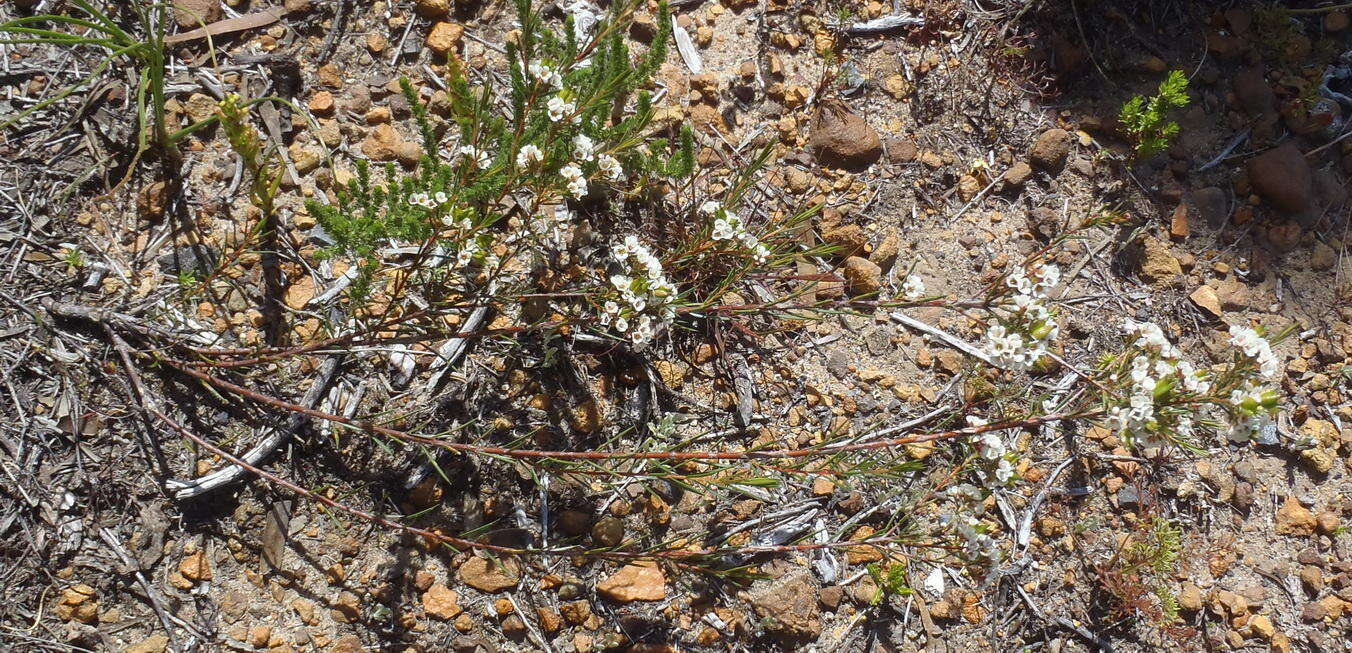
<point>528,154</point>
<point>1252,404</point>
<point>1257,348</point>
<point>1149,336</point>
<point>476,156</point>
<point>577,182</point>
<point>729,226</point>
<point>584,148</point>
<point>1045,277</point>
<point>428,201</point>
<point>992,448</point>
<point>645,294</point>
<point>1019,340</point>
<point>1158,377</point>
<point>559,109</point>
<point>545,73</point>
<point>585,17</point>
<point>1154,376</point>
<point>963,520</point>
<point>610,167</point>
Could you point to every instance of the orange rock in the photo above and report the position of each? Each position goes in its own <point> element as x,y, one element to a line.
<point>1295,519</point>
<point>195,567</point>
<point>441,602</point>
<point>444,37</point>
<point>1178,226</point>
<point>640,581</point>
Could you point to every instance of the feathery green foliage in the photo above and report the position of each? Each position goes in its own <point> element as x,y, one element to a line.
<point>1145,119</point>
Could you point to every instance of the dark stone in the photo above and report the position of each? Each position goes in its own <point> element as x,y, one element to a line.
<point>198,260</point>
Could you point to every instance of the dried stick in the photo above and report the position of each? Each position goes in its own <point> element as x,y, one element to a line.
<point>188,489</point>
<point>951,340</point>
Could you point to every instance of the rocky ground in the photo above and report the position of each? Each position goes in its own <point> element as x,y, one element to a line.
<point>949,149</point>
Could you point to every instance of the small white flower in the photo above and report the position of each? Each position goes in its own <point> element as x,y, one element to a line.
<point>559,108</point>
<point>577,183</point>
<point>1257,348</point>
<point>478,157</point>
<point>990,445</point>
<point>578,187</point>
<point>610,167</point>
<point>584,147</point>
<point>545,74</point>
<point>1004,472</point>
<point>529,154</point>
<point>585,16</point>
<point>722,230</point>
<point>913,288</point>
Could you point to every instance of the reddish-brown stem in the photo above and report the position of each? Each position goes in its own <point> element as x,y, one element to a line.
<point>534,454</point>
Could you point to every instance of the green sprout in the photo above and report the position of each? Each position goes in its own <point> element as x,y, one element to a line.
<point>1144,119</point>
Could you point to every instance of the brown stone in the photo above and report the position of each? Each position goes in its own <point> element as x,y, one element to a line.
<point>1190,598</point>
<point>1205,298</point>
<point>1017,175</point>
<point>445,37</point>
<point>192,14</point>
<point>1261,626</point>
<point>841,139</point>
<point>77,603</point>
<point>376,42</point>
<point>640,581</point>
<point>200,106</point>
<point>152,201</point>
<point>549,620</point>
<point>576,612</point>
<point>260,635</point>
<point>849,240</point>
<point>1335,21</point>
<point>788,606</point>
<point>608,531</point>
<point>1050,150</point>
<point>490,575</point>
<point>433,8</point>
<point>886,252</point>
<point>346,607</point>
<point>152,644</point>
<point>1282,177</point>
<point>864,276</point>
<point>1158,264</point>
<point>1178,224</point>
<point>441,602</point>
<point>901,151</point>
<point>863,553</point>
<point>1295,519</point>
<point>382,144</point>
<point>195,567</point>
<point>1254,94</point>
